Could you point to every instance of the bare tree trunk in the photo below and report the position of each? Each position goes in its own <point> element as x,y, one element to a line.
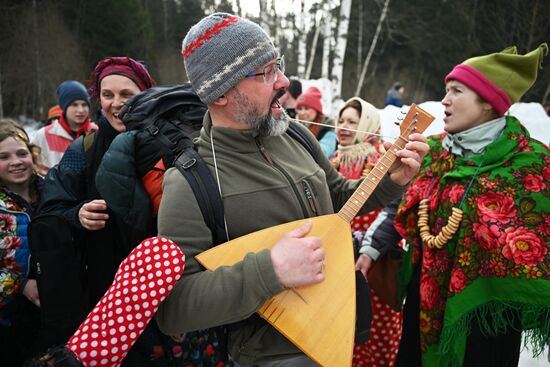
<point>38,69</point>
<point>340,51</point>
<point>1,100</point>
<point>471,32</point>
<point>326,43</point>
<point>302,48</point>
<point>275,25</point>
<point>532,27</point>
<point>544,98</point>
<point>263,15</point>
<point>360,38</point>
<point>313,48</point>
<point>372,47</point>
<point>239,8</point>
<point>165,21</point>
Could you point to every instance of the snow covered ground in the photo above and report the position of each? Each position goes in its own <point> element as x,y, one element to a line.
<point>526,359</point>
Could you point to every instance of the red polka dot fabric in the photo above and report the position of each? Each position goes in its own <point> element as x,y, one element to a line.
<point>386,326</point>
<point>362,222</point>
<point>385,334</point>
<point>143,280</point>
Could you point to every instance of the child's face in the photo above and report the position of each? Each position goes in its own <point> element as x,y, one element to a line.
<point>306,113</point>
<point>15,162</point>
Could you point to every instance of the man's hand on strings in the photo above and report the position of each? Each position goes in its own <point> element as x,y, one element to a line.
<point>298,260</point>
<point>409,159</point>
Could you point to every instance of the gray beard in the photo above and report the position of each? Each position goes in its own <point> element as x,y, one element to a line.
<point>269,125</point>
<point>263,124</point>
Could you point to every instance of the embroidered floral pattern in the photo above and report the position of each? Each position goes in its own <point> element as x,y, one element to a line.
<point>10,269</point>
<point>523,246</point>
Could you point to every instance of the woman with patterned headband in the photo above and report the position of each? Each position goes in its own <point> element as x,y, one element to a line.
<point>70,190</point>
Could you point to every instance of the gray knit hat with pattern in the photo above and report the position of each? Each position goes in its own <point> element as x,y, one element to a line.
<point>220,50</point>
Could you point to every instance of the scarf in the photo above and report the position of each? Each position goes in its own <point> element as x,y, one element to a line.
<point>473,141</point>
<point>85,127</point>
<point>352,159</point>
<point>498,263</point>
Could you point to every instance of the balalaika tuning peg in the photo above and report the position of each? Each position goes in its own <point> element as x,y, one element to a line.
<point>399,119</point>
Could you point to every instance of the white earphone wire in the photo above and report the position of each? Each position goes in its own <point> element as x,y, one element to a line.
<point>218,178</point>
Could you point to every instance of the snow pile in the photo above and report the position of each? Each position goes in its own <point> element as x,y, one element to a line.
<point>531,115</point>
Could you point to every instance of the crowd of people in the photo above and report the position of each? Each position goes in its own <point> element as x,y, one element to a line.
<point>472,203</point>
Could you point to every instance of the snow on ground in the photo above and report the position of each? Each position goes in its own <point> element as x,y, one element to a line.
<point>526,360</point>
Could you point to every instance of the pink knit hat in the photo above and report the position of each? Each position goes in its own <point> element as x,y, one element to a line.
<point>310,98</point>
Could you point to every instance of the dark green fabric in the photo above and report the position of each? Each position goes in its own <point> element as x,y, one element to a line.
<point>119,185</point>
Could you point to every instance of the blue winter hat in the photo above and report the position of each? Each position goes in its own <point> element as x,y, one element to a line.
<point>70,91</point>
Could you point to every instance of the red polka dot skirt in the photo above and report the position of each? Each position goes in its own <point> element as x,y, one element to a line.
<point>385,334</point>
<point>385,331</point>
<point>143,280</point>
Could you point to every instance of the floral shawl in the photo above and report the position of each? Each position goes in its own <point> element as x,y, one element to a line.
<point>14,249</point>
<point>498,262</point>
<point>351,160</point>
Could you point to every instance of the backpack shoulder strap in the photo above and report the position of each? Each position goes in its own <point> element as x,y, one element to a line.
<point>300,136</point>
<point>89,140</point>
<point>194,169</point>
<point>196,172</point>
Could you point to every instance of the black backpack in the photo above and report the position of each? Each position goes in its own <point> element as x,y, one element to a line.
<point>167,119</point>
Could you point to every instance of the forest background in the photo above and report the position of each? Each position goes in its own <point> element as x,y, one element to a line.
<point>362,46</point>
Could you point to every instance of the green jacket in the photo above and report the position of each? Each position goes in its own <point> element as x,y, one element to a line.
<point>263,184</point>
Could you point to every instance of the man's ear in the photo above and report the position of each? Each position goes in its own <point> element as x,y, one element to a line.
<point>220,101</point>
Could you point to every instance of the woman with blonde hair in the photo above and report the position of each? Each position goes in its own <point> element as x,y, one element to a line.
<point>20,187</point>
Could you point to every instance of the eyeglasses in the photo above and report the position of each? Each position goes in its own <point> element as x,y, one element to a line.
<point>271,72</point>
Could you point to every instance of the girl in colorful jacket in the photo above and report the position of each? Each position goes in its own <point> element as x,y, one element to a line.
<point>19,195</point>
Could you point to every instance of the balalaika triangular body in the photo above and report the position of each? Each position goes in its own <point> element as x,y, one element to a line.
<point>320,319</point>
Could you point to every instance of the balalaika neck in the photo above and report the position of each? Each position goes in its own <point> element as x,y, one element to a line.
<point>367,187</point>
